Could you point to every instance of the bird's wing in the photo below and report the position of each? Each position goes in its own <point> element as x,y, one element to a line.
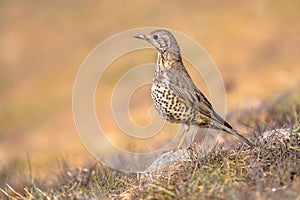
<point>185,89</point>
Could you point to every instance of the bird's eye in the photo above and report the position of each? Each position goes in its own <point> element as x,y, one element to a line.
<point>155,37</point>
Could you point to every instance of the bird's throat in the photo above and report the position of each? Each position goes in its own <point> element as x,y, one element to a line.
<point>166,60</point>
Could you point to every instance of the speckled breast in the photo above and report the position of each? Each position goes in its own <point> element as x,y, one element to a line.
<point>168,105</point>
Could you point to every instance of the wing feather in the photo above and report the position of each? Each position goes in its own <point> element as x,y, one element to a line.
<point>186,90</point>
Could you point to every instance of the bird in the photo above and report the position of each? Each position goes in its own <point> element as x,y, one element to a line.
<point>174,94</point>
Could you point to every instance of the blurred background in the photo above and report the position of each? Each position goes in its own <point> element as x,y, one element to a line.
<point>255,44</point>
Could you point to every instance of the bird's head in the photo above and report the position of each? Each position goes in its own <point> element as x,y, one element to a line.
<point>162,40</point>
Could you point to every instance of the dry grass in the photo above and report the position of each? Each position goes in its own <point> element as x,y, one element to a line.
<point>270,171</point>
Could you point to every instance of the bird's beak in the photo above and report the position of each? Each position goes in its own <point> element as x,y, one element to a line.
<point>141,36</point>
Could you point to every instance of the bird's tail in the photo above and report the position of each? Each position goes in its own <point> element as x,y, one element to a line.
<point>241,137</point>
<point>221,124</point>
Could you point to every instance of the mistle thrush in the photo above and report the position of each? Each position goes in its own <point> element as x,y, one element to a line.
<point>174,94</point>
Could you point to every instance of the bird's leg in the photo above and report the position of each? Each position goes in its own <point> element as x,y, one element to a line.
<point>185,131</point>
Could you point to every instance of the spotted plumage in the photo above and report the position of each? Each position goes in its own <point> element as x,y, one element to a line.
<point>174,94</point>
